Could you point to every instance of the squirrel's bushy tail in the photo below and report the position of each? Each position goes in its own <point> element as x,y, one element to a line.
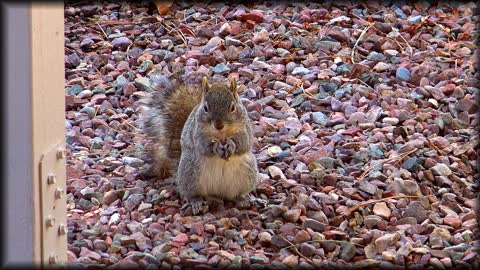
<point>165,112</point>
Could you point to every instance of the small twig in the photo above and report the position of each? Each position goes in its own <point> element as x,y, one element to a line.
<point>446,30</point>
<point>408,45</point>
<point>130,125</point>
<point>191,32</point>
<point>167,27</point>
<point>378,30</point>
<point>112,22</point>
<point>104,124</point>
<point>128,49</point>
<point>296,250</point>
<point>105,34</point>
<point>355,207</point>
<point>321,241</point>
<point>182,36</point>
<point>435,147</point>
<point>358,40</point>
<point>96,112</point>
<point>366,84</point>
<point>100,153</point>
<point>400,157</point>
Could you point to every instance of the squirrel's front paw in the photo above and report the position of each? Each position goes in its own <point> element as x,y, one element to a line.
<point>229,149</point>
<point>218,149</point>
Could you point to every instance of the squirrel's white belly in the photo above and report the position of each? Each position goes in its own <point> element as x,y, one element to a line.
<point>225,179</point>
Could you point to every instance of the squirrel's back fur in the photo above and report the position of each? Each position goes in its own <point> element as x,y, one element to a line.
<point>165,111</point>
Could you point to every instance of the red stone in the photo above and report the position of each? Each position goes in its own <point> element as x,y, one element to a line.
<point>180,240</point>
<point>452,221</point>
<point>254,16</point>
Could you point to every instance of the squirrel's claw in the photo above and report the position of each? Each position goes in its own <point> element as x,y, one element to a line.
<point>229,149</point>
<point>260,203</point>
<point>243,204</point>
<point>198,205</point>
<point>218,149</point>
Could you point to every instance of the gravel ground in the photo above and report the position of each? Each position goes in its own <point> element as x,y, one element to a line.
<point>364,117</point>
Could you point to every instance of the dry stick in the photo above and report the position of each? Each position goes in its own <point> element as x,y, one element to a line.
<point>104,124</point>
<point>128,49</point>
<point>181,34</point>
<point>321,241</point>
<point>367,171</point>
<point>408,45</point>
<point>435,147</point>
<point>98,153</point>
<point>168,27</point>
<point>446,30</point>
<point>126,122</point>
<point>191,32</point>
<point>355,207</point>
<point>358,40</point>
<point>132,126</point>
<point>366,84</point>
<point>105,34</point>
<point>112,22</point>
<point>296,250</point>
<point>376,29</point>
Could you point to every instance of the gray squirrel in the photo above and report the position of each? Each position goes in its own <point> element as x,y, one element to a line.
<point>201,135</point>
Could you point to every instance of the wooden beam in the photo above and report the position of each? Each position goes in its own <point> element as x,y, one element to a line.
<point>48,130</point>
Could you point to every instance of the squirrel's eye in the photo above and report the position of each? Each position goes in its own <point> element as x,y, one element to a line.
<point>232,107</point>
<point>205,107</point>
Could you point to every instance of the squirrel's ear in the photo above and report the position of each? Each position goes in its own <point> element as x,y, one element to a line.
<point>233,85</point>
<point>205,85</point>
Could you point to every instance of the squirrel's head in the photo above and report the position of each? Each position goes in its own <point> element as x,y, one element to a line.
<point>221,105</point>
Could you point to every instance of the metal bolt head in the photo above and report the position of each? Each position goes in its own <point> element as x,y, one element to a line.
<point>52,259</point>
<point>50,221</point>
<point>51,179</point>
<point>62,229</point>
<point>58,193</point>
<point>60,153</point>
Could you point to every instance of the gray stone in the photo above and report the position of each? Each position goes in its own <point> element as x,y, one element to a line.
<point>121,42</point>
<point>132,201</point>
<point>220,69</point>
<point>300,71</point>
<point>74,89</point>
<point>348,251</point>
<point>143,83</point>
<point>307,249</point>
<point>403,74</point>
<point>132,161</point>
<point>416,210</point>
<point>441,169</point>
<point>319,118</point>
<point>313,224</point>
<point>90,111</point>
<point>327,162</point>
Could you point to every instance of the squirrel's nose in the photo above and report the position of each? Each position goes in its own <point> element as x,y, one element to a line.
<point>218,124</point>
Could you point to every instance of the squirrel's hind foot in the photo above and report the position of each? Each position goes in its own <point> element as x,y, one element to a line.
<point>247,201</point>
<point>198,205</point>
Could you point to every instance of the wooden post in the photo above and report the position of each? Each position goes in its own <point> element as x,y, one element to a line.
<point>48,115</point>
<point>35,108</point>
